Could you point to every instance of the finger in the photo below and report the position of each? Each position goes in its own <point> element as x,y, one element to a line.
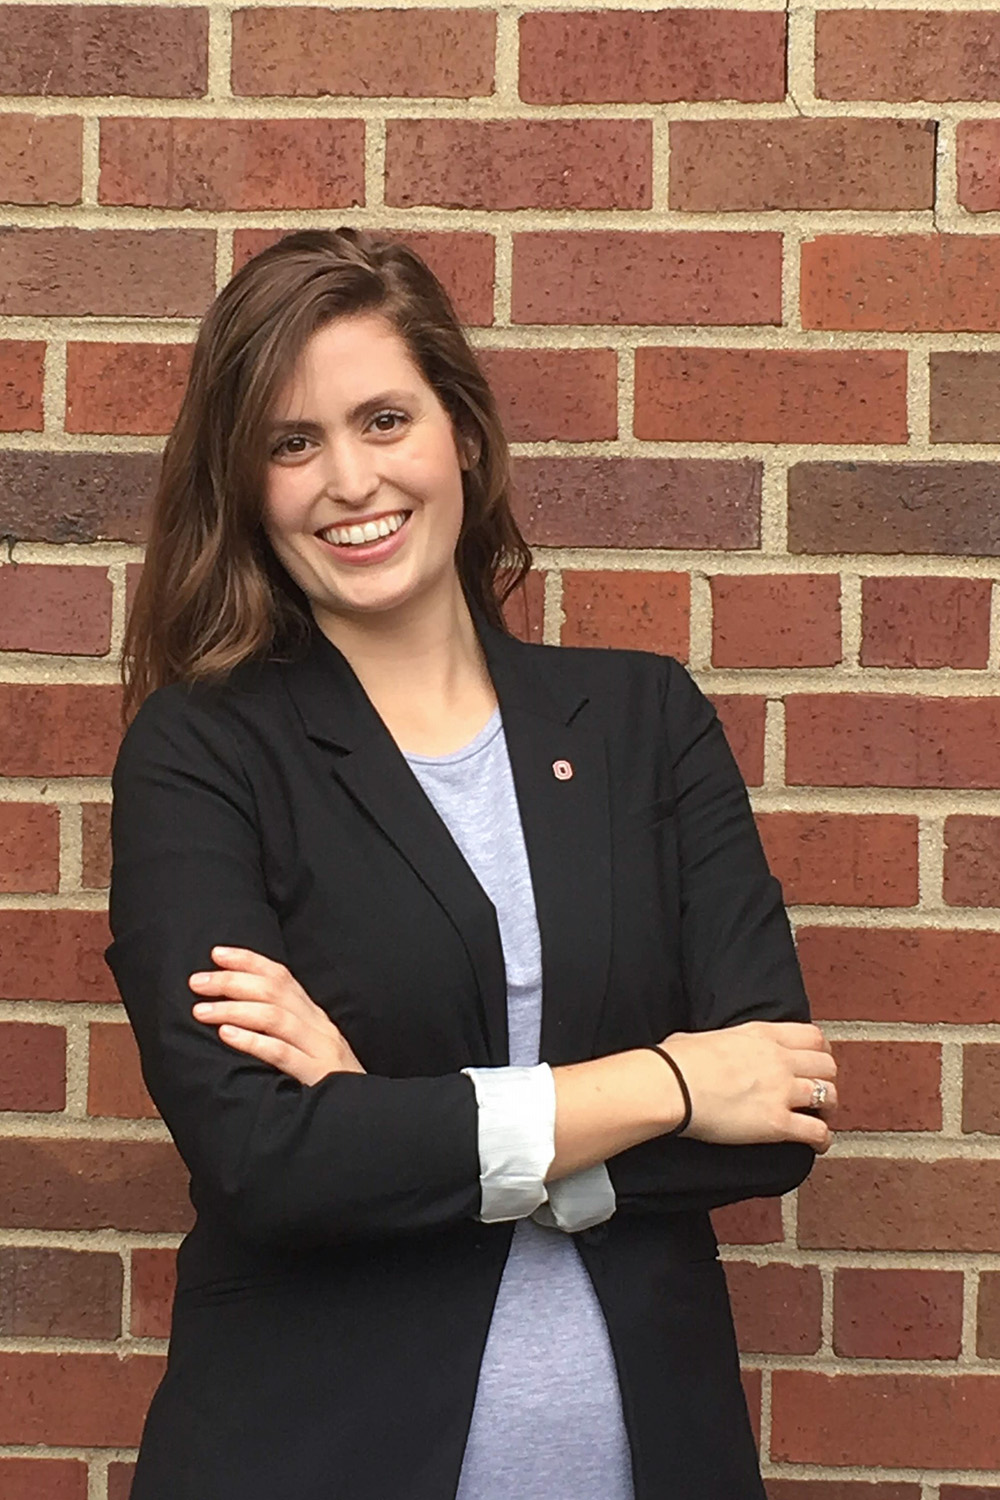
<point>800,1036</point>
<point>246,958</point>
<point>232,984</point>
<point>268,1049</point>
<point>811,1130</point>
<point>814,1065</point>
<point>802,1095</point>
<point>258,1016</point>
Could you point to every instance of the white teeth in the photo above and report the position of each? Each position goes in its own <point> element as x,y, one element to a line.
<point>369,531</point>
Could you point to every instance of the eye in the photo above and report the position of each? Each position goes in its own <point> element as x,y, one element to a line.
<point>283,450</point>
<point>394,417</point>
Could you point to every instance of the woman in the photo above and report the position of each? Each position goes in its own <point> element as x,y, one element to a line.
<point>425,1263</point>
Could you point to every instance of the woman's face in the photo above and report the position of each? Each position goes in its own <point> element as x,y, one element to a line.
<point>363,495</point>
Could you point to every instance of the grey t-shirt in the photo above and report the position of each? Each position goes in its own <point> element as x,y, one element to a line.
<point>547,1423</point>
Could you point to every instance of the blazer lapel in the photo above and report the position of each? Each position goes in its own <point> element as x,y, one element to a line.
<point>337,713</point>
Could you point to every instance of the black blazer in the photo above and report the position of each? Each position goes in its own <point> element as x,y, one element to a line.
<point>335,1293</point>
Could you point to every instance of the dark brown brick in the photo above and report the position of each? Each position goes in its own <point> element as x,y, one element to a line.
<point>22,377</point>
<point>139,273</point>
<point>947,508</point>
<point>58,609</point>
<point>64,730</point>
<point>462,262</point>
<point>978,185</point>
<point>46,1291</point>
<point>881,739</point>
<point>981,1088</point>
<point>43,1479</point>
<point>154,1276</point>
<point>145,51</point>
<point>653,57</point>
<point>32,1067</point>
<point>755,1221</point>
<point>96,826</point>
<point>91,1184</point>
<point>233,164</point>
<point>629,610</point>
<point>925,622</point>
<point>603,276</point>
<point>897,1314</point>
<point>904,55</point>
<point>41,158</point>
<point>776,620</point>
<point>758,165</point>
<point>120,1478</point>
<point>887,974</point>
<point>888,1085</point>
<point>965,396</point>
<point>76,1400</point>
<point>55,955</point>
<point>29,846</point>
<point>76,497</point>
<point>777,1308</point>
<point>988,1316</point>
<point>115,1086</point>
<point>922,1205</point>
<point>836,1489</point>
<point>507,164</point>
<point>971,860</point>
<point>639,502</point>
<point>843,859</point>
<point>968,1492</point>
<point>524,610</point>
<point>547,395</point>
<point>308,51</point>
<point>909,283</point>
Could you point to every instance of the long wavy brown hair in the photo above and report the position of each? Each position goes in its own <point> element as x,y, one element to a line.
<point>212,593</point>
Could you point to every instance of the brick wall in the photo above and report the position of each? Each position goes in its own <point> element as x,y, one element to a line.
<point>735,273</point>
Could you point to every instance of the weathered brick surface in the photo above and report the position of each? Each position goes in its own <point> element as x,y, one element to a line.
<point>882,974</point>
<point>918,283</point>
<point>41,158</point>
<point>748,165</point>
<point>897,1314</point>
<point>978,182</point>
<point>55,955</point>
<point>143,50</point>
<point>55,609</point>
<point>777,1308</point>
<point>43,1479</point>
<point>776,621</point>
<point>115,1085</point>
<point>965,396</point>
<point>634,611</point>
<point>839,1489</point>
<point>756,1221</point>
<point>914,54</point>
<point>125,388</point>
<point>743,717</point>
<point>96,828</point>
<point>49,1183</point>
<point>972,860</point>
<point>988,1315</point>
<point>76,497</point>
<point>894,507</point>
<point>981,1087</point>
<point>877,739</point>
<point>29,846</point>
<point>120,1480</point>
<point>923,1205</point>
<point>22,372</point>
<point>64,730</point>
<point>45,1290</point>
<point>546,395</point>
<point>32,1067</point>
<point>140,273</point>
<point>772,396</point>
<point>640,57</point>
<point>843,859</point>
<point>888,1086</point>
<point>76,1400</point>
<point>925,622</point>
<point>154,1277</point>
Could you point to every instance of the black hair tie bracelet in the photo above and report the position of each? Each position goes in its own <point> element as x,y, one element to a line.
<point>685,1091</point>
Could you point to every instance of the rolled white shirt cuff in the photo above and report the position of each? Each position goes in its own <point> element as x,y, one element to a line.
<point>579,1201</point>
<point>517,1131</point>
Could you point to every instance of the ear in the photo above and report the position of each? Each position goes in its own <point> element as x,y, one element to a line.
<point>469,448</point>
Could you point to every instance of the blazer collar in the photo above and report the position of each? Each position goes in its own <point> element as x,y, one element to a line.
<point>565,819</point>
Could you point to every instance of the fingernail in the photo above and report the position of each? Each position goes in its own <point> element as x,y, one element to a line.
<point>222,950</point>
<point>203,1008</point>
<point>199,978</point>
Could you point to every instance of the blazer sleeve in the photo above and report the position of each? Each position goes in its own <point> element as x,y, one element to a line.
<point>285,1164</point>
<point>737,954</point>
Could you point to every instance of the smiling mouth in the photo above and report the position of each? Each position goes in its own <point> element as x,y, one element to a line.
<point>363,533</point>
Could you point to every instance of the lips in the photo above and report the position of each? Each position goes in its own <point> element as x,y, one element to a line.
<point>363,533</point>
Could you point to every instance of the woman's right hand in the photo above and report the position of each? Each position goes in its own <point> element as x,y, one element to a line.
<point>750,1083</point>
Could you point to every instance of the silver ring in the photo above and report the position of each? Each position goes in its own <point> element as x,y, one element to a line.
<point>819,1094</point>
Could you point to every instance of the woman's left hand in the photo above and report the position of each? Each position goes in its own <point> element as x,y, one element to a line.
<point>263,1010</point>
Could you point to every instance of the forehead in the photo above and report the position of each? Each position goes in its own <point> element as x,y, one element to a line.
<point>347,360</point>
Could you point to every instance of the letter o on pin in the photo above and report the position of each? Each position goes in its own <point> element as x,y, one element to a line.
<point>562,770</point>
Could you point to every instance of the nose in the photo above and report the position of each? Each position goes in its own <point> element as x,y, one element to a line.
<point>352,472</point>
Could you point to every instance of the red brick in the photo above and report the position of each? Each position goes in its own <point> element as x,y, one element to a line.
<point>62,610</point>
<point>41,159</point>
<point>524,610</point>
<point>968,1492</point>
<point>77,497</point>
<point>770,396</point>
<point>144,51</point>
<point>305,51</point>
<point>843,859</point>
<point>547,395</point>
<point>836,1489</point>
<point>51,1183</point>
<point>32,1067</point>
<point>22,374</point>
<point>769,620</point>
<point>887,974</point>
<point>965,396</point>
<point>905,507</point>
<point>606,276</point>
<point>912,283</point>
<point>755,1221</point>
<point>504,164</point>
<point>639,502</point>
<point>753,1387</point>
<point>978,179</point>
<point>154,1277</point>
<point>895,1421</point>
<point>925,622</point>
<point>988,1316</point>
<point>232,164</point>
<point>981,1088</point>
<point>777,1308</point>
<point>55,955</point>
<point>76,1400</point>
<point>125,388</point>
<point>139,273</point>
<point>133,572</point>
<point>636,611</point>
<point>743,719</point>
<point>46,1291</point>
<point>657,57</point>
<point>972,861</point>
<point>758,165</point>
<point>897,1314</point>
<point>62,730</point>
<point>877,739</point>
<point>43,1479</point>
<point>29,839</point>
<point>120,1476</point>
<point>115,1085</point>
<point>96,827</point>
<point>867,54</point>
<point>888,1085</point>
<point>462,262</point>
<point>874,1203</point>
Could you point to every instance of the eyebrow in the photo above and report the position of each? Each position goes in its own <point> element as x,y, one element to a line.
<point>363,409</point>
